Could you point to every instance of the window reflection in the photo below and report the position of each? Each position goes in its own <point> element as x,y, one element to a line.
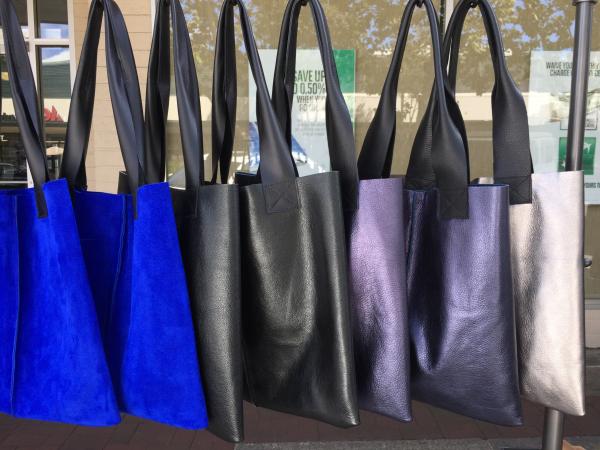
<point>13,167</point>
<point>55,89</point>
<point>52,19</point>
<point>379,21</point>
<point>370,28</point>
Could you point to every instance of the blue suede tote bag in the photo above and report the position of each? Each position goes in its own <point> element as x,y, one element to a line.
<point>131,247</point>
<point>52,363</point>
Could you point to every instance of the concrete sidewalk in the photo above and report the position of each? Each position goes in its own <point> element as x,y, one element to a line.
<point>588,443</point>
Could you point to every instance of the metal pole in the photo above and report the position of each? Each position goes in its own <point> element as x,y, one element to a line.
<point>579,83</point>
<point>554,420</point>
<point>553,430</point>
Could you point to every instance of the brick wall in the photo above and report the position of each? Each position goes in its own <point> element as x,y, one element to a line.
<point>104,157</point>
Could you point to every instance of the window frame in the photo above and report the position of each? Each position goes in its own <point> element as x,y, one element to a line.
<point>34,42</point>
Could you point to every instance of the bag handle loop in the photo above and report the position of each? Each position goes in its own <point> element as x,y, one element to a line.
<point>188,97</point>
<point>443,149</point>
<point>25,101</point>
<point>276,166</point>
<point>340,132</point>
<point>124,93</point>
<point>511,150</point>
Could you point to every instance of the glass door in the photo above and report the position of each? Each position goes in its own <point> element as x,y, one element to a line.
<point>47,34</point>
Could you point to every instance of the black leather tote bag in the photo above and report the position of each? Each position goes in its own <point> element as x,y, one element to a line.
<point>296,323</point>
<point>374,233</point>
<point>461,310</point>
<point>207,216</point>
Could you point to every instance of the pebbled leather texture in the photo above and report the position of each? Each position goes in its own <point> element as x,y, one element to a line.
<point>547,261</point>
<point>209,234</point>
<point>377,264</point>
<point>296,321</point>
<point>461,308</point>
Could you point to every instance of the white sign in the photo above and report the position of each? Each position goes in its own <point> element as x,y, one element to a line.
<point>548,109</point>
<point>309,135</point>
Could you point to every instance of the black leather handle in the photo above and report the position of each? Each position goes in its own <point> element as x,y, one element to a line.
<point>441,146</point>
<point>157,97</point>
<point>25,100</point>
<point>340,133</point>
<point>276,165</point>
<point>512,155</point>
<point>124,92</point>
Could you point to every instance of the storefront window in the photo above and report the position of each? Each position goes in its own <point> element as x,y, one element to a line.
<point>536,35</point>
<point>48,39</point>
<point>366,55</point>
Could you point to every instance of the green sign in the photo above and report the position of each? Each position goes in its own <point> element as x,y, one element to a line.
<point>589,154</point>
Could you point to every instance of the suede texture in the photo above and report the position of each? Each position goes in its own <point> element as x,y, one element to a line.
<point>9,295</point>
<point>141,295</point>
<point>53,362</point>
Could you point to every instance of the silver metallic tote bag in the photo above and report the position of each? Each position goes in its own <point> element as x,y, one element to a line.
<point>546,242</point>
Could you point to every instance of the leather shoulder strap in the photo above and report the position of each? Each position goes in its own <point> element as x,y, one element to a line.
<point>158,92</point>
<point>340,133</point>
<point>512,155</point>
<point>124,92</point>
<point>276,167</point>
<point>441,146</point>
<point>25,100</point>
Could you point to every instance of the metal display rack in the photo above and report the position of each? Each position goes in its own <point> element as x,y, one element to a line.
<point>554,420</point>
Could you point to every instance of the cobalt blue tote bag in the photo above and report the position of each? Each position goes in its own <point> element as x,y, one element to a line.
<point>131,247</point>
<point>52,364</point>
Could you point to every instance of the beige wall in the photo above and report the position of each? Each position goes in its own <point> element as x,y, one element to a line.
<point>104,157</point>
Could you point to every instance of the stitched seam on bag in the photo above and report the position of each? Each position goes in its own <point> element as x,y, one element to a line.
<point>15,341</point>
<point>412,226</point>
<point>127,349</point>
<point>246,373</point>
<point>117,277</point>
<point>276,194</point>
<point>517,186</point>
<point>450,203</point>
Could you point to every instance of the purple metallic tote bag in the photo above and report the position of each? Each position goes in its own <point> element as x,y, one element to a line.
<point>463,349</point>
<point>375,234</point>
<point>547,253</point>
